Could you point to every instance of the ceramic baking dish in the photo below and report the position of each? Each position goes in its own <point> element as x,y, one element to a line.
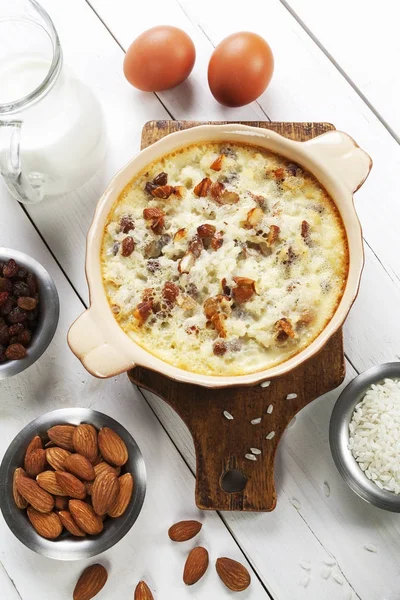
<point>333,158</point>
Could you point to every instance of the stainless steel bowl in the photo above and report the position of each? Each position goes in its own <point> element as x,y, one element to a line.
<point>339,437</point>
<point>66,547</point>
<point>49,309</point>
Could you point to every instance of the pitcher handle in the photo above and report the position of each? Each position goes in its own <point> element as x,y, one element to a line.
<point>30,188</point>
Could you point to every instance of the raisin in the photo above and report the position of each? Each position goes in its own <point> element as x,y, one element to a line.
<point>3,297</point>
<point>4,335</point>
<point>161,179</point>
<point>10,269</point>
<point>149,187</point>
<point>228,151</point>
<point>32,314</point>
<point>126,224</point>
<point>219,348</point>
<point>5,285</point>
<point>27,303</point>
<point>24,337</point>
<point>7,306</point>
<point>13,340</point>
<point>17,315</point>
<point>22,273</point>
<point>170,292</point>
<point>32,283</point>
<point>15,329</point>
<point>127,246</point>
<point>20,288</point>
<point>292,168</point>
<point>3,356</point>
<point>15,352</point>
<point>153,266</point>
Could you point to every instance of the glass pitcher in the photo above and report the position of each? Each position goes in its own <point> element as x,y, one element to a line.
<point>51,125</point>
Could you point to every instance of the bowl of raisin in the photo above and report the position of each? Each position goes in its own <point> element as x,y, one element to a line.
<point>29,311</point>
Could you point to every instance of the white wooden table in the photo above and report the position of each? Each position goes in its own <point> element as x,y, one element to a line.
<point>335,61</point>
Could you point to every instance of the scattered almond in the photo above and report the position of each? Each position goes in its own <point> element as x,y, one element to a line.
<point>254,217</point>
<point>35,444</point>
<point>124,496</point>
<point>79,466</point>
<point>184,530</point>
<point>18,499</point>
<point>112,447</point>
<point>48,525</point>
<point>71,485</point>
<point>35,462</point>
<point>104,492</point>
<point>84,440</point>
<point>233,574</point>
<point>85,517</point>
<point>62,436</point>
<point>69,523</point>
<point>47,481</point>
<point>41,500</point>
<point>196,565</point>
<point>56,456</point>
<point>90,583</point>
<point>142,592</point>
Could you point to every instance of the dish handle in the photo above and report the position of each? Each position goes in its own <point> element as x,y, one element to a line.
<point>98,355</point>
<point>340,153</point>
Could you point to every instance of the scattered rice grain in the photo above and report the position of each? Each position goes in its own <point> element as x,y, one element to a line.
<point>291,396</point>
<point>330,561</point>
<point>250,457</point>
<point>255,450</point>
<point>327,489</point>
<point>306,565</point>
<point>295,503</point>
<point>270,409</point>
<point>305,580</point>
<point>326,572</point>
<point>270,435</point>
<point>227,415</point>
<point>265,384</point>
<point>256,421</point>
<point>338,578</point>
<point>371,547</point>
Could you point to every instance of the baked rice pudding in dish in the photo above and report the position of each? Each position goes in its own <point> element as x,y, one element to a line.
<point>224,259</point>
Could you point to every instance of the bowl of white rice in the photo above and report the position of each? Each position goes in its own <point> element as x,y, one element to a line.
<point>364,436</point>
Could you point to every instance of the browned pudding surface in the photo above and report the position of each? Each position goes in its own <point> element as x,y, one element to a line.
<point>224,259</point>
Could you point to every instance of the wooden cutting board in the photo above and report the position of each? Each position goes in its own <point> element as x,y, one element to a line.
<point>225,479</point>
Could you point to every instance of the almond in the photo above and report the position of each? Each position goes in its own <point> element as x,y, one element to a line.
<point>47,481</point>
<point>62,435</point>
<point>71,485</point>
<point>184,530</point>
<point>56,456</point>
<point>35,462</point>
<point>121,502</point>
<point>89,584</point>
<point>79,466</point>
<point>89,487</point>
<point>201,189</point>
<point>85,517</point>
<point>84,440</point>
<point>18,499</point>
<point>33,493</point>
<point>196,565</point>
<point>47,525</point>
<point>217,164</point>
<point>35,444</point>
<point>142,592</point>
<point>104,492</point>
<point>69,523</point>
<point>112,447</point>
<point>104,467</point>
<point>61,502</point>
<point>233,574</point>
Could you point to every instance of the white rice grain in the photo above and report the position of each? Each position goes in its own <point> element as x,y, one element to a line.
<point>256,421</point>
<point>291,396</point>
<point>265,384</point>
<point>270,435</point>
<point>255,450</point>
<point>227,415</point>
<point>270,409</point>
<point>374,435</point>
<point>250,457</point>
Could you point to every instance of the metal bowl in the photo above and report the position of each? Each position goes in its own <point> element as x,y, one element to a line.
<point>67,547</point>
<point>339,437</point>
<point>49,309</point>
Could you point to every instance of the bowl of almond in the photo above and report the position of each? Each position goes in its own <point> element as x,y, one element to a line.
<point>73,483</point>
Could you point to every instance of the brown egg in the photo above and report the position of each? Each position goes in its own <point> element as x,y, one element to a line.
<point>159,59</point>
<point>240,68</point>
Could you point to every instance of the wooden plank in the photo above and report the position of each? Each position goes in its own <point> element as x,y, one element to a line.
<point>367,65</point>
<point>221,446</point>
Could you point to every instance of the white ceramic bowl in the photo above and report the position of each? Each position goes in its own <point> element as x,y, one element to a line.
<point>333,158</point>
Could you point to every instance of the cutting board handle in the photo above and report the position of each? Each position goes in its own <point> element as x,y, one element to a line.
<point>225,478</point>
